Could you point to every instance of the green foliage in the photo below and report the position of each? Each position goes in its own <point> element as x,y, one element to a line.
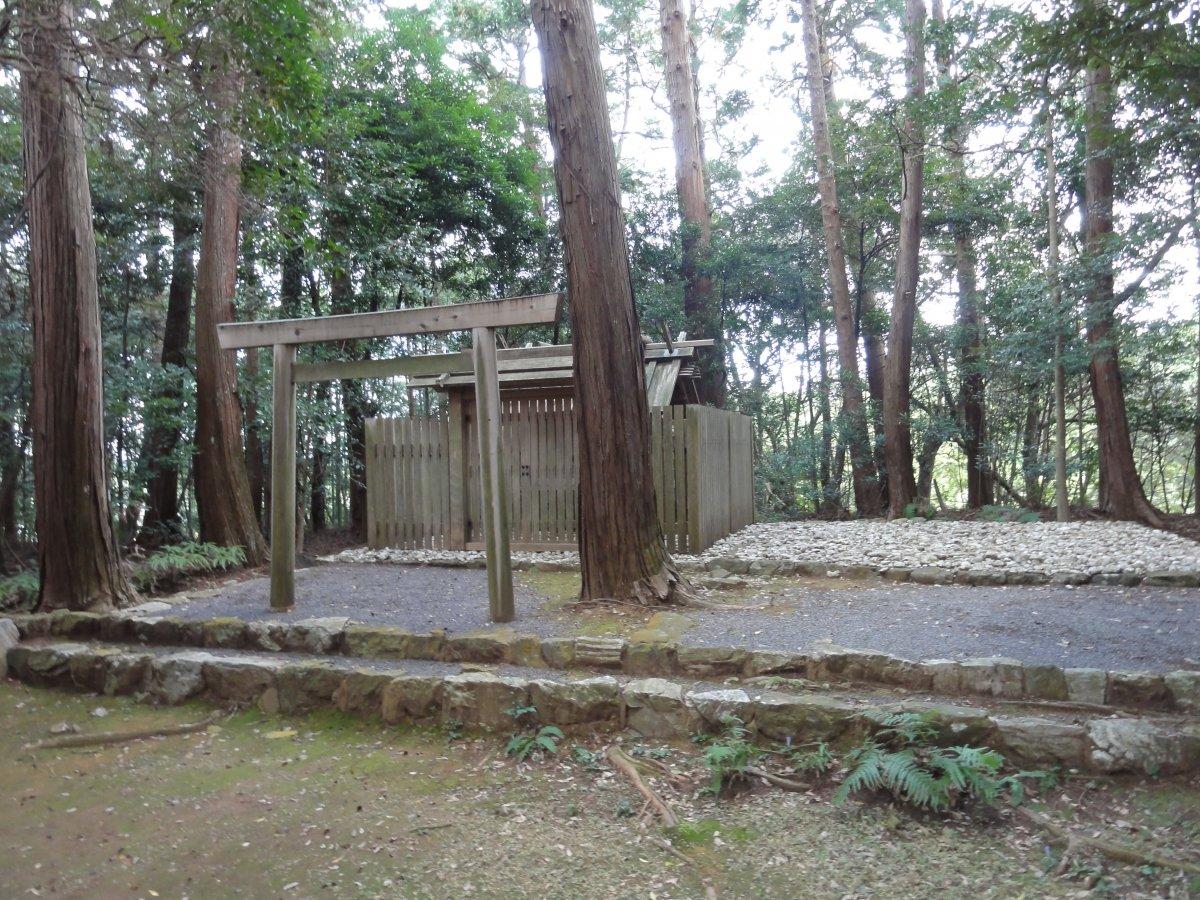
<point>816,761</point>
<point>20,589</point>
<point>530,741</point>
<point>729,755</point>
<point>899,758</point>
<point>176,561</point>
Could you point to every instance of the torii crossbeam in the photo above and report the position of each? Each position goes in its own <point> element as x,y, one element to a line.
<point>481,319</point>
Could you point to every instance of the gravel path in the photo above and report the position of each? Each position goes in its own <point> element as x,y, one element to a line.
<point>1155,629</point>
<point>1090,547</point>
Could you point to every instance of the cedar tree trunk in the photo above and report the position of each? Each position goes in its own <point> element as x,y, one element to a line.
<point>222,484</point>
<point>1121,494</point>
<point>621,548</point>
<point>161,522</point>
<point>862,461</point>
<point>77,551</point>
<point>700,303</point>
<point>971,386</point>
<point>897,431</point>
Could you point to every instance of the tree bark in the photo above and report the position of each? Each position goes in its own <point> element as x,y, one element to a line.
<point>700,303</point>
<point>222,484</point>
<point>77,550</point>
<point>621,548</point>
<point>1121,494</point>
<point>971,387</point>
<point>862,462</point>
<point>1062,504</point>
<point>161,522</point>
<point>898,434</point>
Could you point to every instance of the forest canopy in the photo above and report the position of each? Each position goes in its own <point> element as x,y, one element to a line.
<point>941,250</point>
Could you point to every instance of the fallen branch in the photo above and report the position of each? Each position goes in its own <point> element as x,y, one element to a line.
<point>780,782</point>
<point>1125,853</point>
<point>626,767</point>
<point>120,737</point>
<point>710,892</point>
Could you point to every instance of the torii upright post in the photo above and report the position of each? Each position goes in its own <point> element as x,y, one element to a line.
<point>491,475</point>
<point>481,319</point>
<point>283,478</point>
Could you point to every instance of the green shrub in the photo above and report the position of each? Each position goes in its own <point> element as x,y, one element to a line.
<point>175,561</point>
<point>531,741</point>
<point>20,589</point>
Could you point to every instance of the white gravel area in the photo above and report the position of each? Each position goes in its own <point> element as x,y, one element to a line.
<point>1040,547</point>
<point>1044,547</point>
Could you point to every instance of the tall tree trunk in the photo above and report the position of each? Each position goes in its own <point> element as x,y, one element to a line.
<point>622,552</point>
<point>161,522</point>
<point>77,550</point>
<point>971,388</point>
<point>699,300</point>
<point>862,462</point>
<point>1062,504</point>
<point>898,434</point>
<point>1121,494</point>
<point>222,484</point>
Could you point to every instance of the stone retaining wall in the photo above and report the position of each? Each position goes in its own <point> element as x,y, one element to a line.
<point>654,707</point>
<point>985,677</point>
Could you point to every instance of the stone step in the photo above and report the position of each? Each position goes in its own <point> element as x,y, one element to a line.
<point>658,708</point>
<point>989,677</point>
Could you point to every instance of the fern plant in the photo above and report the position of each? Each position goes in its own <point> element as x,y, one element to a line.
<point>188,558</point>
<point>20,589</point>
<point>900,759</point>
<point>727,757</point>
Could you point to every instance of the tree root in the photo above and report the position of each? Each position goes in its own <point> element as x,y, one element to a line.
<point>1125,853</point>
<point>779,781</point>
<point>710,892</point>
<point>626,767</point>
<point>120,737</point>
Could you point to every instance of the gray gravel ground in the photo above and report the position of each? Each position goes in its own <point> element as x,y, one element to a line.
<point>1155,629</point>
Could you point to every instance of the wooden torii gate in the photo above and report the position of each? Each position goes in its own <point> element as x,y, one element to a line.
<point>481,319</point>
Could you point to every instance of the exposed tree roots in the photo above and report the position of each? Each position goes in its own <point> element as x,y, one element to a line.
<point>626,767</point>
<point>1060,834</point>
<point>780,782</point>
<point>120,737</point>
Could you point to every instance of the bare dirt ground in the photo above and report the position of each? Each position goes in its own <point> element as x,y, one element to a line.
<point>1143,628</point>
<point>322,806</point>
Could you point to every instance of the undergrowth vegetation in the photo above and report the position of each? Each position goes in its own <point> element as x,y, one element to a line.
<point>529,740</point>
<point>899,757</point>
<point>162,568</point>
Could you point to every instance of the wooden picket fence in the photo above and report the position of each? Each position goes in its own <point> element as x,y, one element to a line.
<point>423,489</point>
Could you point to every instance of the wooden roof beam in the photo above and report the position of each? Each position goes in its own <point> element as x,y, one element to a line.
<point>537,309</point>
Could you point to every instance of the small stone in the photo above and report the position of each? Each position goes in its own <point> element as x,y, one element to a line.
<point>1184,688</point>
<point>319,635</point>
<point>1166,578</point>
<point>482,699</point>
<point>411,697</point>
<point>931,575</point>
<point>601,652</point>
<point>997,676</point>
<point>559,653</point>
<point>654,708</point>
<point>590,701</point>
<point>714,706</point>
<point>177,677</point>
<point>1145,690</point>
<point>1045,683</point>
<point>710,662</point>
<point>1136,745</point>
<point>1036,741</point>
<point>1086,685</point>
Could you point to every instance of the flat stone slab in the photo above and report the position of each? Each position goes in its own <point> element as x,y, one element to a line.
<point>1089,626</point>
